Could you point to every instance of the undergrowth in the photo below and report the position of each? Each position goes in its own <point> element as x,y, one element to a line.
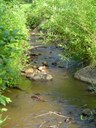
<point>69,24</point>
<point>13,47</point>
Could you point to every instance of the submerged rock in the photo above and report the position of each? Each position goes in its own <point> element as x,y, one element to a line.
<point>87,74</point>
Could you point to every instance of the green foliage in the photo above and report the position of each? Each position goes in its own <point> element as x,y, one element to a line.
<point>13,35</point>
<point>4,100</point>
<point>88,114</point>
<point>13,46</point>
<point>92,88</point>
<point>2,121</point>
<point>69,23</point>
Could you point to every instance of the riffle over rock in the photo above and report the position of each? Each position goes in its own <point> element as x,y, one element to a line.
<point>87,74</point>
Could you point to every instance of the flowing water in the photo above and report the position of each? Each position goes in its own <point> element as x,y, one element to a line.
<point>63,94</point>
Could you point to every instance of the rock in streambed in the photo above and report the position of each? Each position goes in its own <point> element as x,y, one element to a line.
<point>87,74</point>
<point>37,73</point>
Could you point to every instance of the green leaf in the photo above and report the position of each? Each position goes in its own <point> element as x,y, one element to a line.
<point>1,122</point>
<point>8,100</point>
<point>3,102</point>
<point>3,109</point>
<point>1,27</point>
<point>15,32</point>
<point>0,81</point>
<point>81,117</point>
<point>7,33</point>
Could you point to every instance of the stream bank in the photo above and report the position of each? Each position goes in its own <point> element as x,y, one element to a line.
<point>63,95</point>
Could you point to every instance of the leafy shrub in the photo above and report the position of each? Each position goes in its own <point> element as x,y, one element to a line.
<point>13,46</point>
<point>4,100</point>
<point>70,24</point>
<point>13,35</point>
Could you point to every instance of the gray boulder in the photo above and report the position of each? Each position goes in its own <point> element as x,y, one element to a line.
<point>87,74</point>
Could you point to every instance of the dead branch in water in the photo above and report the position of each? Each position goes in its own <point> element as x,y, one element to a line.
<point>42,124</point>
<point>50,113</point>
<point>66,119</point>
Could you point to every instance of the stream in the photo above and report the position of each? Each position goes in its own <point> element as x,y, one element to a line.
<point>64,95</point>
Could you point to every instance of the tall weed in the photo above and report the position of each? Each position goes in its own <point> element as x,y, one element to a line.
<point>69,23</point>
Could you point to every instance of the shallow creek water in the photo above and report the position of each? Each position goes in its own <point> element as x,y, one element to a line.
<point>63,94</point>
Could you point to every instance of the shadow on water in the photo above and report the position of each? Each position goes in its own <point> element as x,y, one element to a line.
<point>63,94</point>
